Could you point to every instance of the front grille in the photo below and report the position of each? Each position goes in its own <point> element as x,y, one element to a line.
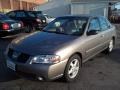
<point>21,57</point>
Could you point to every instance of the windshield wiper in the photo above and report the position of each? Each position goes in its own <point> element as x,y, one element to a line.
<point>55,32</point>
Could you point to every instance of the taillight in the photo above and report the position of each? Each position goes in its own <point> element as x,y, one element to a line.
<point>38,20</point>
<point>5,26</point>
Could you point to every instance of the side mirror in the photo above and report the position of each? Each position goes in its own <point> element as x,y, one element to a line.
<point>92,32</point>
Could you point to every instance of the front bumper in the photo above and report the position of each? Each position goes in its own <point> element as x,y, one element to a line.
<point>45,71</point>
<point>10,32</point>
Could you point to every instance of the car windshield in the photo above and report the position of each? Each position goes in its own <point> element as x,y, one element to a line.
<point>36,14</point>
<point>4,17</point>
<point>39,15</point>
<point>67,25</point>
<point>31,14</point>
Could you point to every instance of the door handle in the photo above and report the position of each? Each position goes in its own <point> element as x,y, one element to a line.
<point>102,35</point>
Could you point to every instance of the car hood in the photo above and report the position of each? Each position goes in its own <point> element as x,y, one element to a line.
<point>41,43</point>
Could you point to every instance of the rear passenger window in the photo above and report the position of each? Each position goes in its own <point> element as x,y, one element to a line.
<point>104,24</point>
<point>20,14</point>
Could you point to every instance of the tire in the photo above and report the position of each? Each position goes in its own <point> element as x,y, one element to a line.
<point>70,74</point>
<point>110,47</point>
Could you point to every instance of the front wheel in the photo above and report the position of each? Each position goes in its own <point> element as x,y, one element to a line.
<point>73,68</point>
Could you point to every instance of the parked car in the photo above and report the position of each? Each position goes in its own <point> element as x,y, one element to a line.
<point>9,27</point>
<point>29,19</point>
<point>61,49</point>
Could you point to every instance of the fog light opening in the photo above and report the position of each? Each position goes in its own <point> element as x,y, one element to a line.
<point>40,78</point>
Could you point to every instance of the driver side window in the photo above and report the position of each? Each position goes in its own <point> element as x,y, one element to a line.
<point>94,25</point>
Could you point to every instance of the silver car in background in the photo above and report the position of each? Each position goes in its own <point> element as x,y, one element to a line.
<point>61,48</point>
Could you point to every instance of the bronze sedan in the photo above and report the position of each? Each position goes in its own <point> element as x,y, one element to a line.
<point>61,48</point>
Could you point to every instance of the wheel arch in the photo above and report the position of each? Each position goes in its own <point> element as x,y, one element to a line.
<point>79,54</point>
<point>114,39</point>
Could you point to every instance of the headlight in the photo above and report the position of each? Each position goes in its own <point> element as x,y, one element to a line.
<point>45,59</point>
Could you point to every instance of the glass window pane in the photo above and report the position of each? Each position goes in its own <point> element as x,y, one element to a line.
<point>71,26</point>
<point>103,23</point>
<point>20,14</point>
<point>94,25</point>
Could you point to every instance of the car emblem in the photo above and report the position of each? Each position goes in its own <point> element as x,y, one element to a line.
<point>15,55</point>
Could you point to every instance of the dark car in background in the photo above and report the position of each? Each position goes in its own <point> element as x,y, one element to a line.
<point>40,18</point>
<point>29,19</point>
<point>9,27</point>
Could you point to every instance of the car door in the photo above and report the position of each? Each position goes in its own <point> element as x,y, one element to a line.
<point>93,42</point>
<point>106,31</point>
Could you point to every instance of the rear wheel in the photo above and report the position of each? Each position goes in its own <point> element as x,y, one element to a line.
<point>73,68</point>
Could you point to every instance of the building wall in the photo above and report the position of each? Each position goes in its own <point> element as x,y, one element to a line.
<point>36,1</point>
<point>8,5</point>
<point>90,8</point>
<point>65,7</point>
<point>52,4</point>
<point>55,8</point>
<point>95,0</point>
<point>15,5</point>
<point>4,5</point>
<point>58,11</point>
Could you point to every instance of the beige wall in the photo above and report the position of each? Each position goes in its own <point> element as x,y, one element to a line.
<point>8,5</point>
<point>36,1</point>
